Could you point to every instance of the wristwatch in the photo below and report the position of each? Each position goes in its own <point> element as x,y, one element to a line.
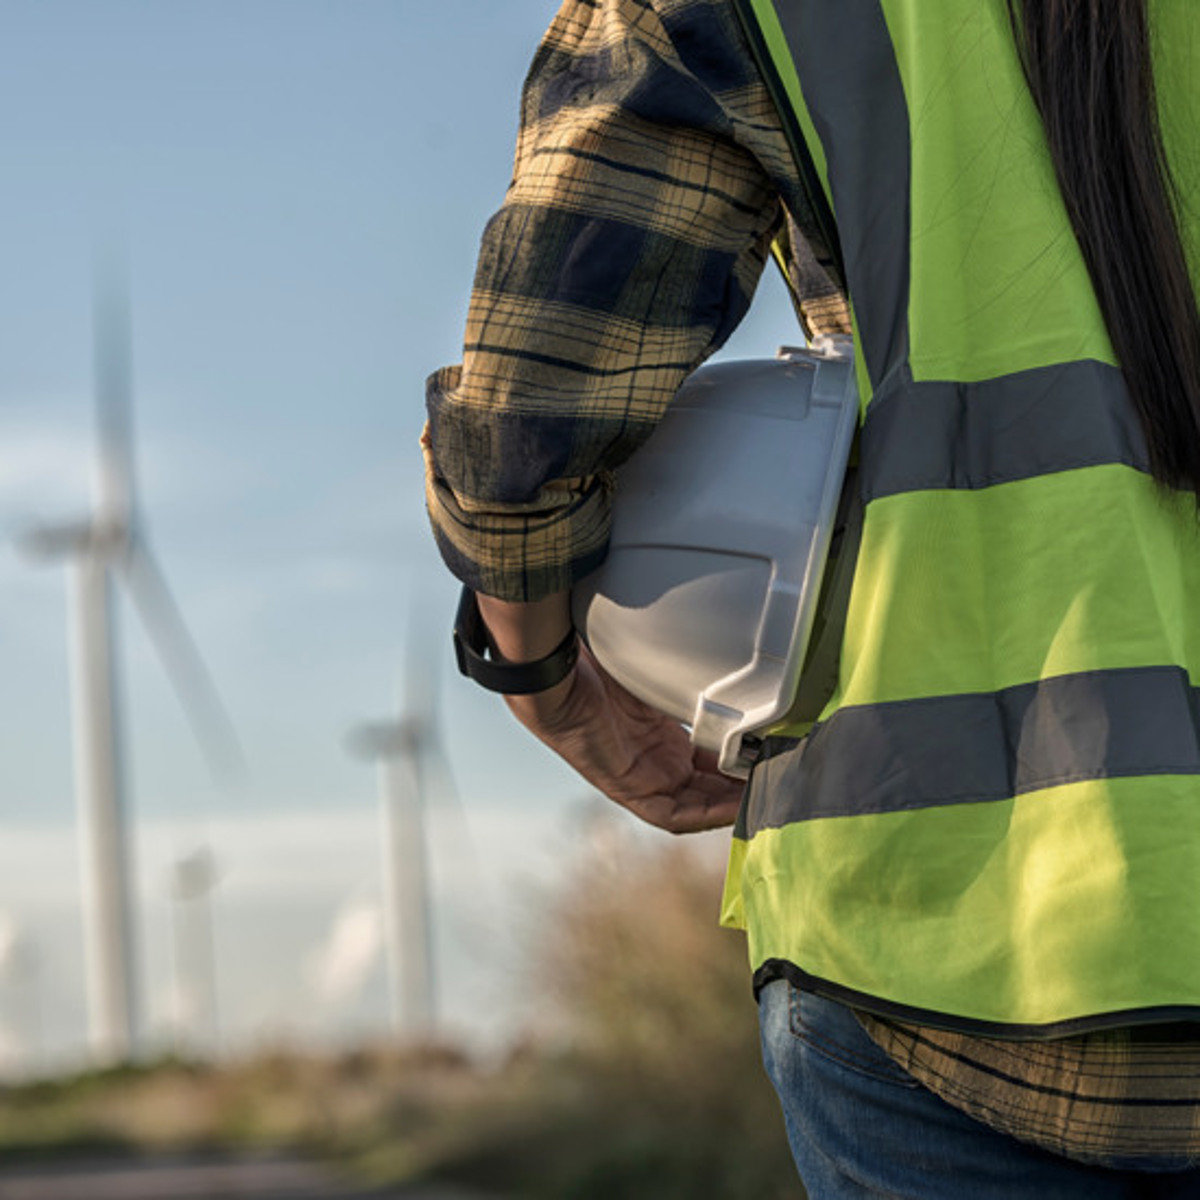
<point>471,650</point>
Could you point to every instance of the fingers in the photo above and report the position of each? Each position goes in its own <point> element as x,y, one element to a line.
<point>669,815</point>
<point>704,800</point>
<point>638,757</point>
<point>692,819</point>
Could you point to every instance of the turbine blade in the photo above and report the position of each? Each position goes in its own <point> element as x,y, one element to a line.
<point>181,659</point>
<point>442,792</point>
<point>437,770</point>
<point>427,655</point>
<point>422,668</point>
<point>113,365</point>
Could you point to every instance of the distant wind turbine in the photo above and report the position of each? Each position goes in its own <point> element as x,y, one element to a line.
<point>413,771</point>
<point>193,878</point>
<point>103,549</point>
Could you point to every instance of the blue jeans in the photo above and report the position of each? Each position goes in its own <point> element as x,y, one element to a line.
<point>860,1126</point>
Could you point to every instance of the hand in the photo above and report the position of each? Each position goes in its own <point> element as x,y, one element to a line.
<point>636,756</point>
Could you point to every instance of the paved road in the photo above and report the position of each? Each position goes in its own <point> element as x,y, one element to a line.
<point>197,1178</point>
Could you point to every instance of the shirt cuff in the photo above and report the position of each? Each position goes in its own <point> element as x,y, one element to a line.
<point>514,552</point>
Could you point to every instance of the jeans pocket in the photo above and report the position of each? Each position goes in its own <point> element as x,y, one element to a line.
<point>833,1031</point>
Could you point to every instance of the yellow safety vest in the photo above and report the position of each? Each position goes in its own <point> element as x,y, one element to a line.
<point>995,824</point>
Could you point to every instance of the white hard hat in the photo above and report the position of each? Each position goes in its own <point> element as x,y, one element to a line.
<point>722,524</point>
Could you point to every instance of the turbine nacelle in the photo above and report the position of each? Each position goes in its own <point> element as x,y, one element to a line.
<point>408,737</point>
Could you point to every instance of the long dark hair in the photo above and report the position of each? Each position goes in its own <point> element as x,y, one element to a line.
<point>1089,68</point>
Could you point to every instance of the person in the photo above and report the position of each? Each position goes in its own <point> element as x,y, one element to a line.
<point>968,888</point>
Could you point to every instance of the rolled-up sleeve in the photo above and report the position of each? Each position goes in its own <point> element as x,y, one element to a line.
<point>628,247</point>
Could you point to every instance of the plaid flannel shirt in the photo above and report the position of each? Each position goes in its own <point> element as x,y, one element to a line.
<point>649,172</point>
<point>651,176</point>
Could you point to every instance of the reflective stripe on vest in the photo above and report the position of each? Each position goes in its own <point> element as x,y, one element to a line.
<point>986,827</point>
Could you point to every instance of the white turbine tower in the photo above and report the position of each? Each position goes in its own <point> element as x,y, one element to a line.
<point>105,549</point>
<point>413,768</point>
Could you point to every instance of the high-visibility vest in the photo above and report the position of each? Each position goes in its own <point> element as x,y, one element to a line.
<point>995,824</point>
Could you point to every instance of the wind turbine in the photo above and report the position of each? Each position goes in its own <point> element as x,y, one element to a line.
<point>105,549</point>
<point>193,878</point>
<point>412,767</point>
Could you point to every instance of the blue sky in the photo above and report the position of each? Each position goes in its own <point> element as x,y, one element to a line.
<point>300,185</point>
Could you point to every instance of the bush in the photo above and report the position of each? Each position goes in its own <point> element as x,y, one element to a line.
<point>668,1096</point>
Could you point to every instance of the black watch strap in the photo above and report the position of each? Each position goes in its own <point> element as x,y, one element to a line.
<point>513,679</point>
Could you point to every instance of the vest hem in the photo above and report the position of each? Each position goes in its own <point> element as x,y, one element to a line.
<point>777,968</point>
